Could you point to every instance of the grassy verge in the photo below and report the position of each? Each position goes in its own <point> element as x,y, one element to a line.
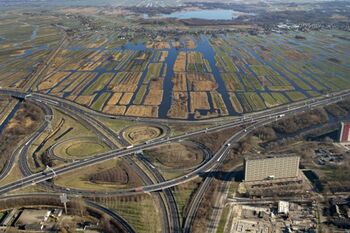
<point>80,179</point>
<point>63,128</point>
<point>80,148</point>
<point>141,212</point>
<point>116,124</point>
<point>183,193</point>
<point>223,220</point>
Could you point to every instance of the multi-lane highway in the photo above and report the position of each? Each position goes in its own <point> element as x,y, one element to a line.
<point>256,120</point>
<point>196,201</point>
<point>246,123</point>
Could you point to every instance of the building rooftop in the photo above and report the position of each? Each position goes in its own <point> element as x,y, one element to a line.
<point>260,157</point>
<point>32,216</point>
<point>345,132</point>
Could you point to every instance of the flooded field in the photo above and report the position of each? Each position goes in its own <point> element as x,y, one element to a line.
<point>191,77</point>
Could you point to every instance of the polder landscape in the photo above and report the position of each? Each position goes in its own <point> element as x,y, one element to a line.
<point>193,77</point>
<point>140,113</point>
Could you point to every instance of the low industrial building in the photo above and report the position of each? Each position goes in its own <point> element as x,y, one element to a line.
<point>271,168</point>
<point>283,207</point>
<point>344,137</point>
<point>264,218</point>
<point>32,219</point>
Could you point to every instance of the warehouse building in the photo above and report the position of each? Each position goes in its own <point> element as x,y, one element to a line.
<point>270,168</point>
<point>345,133</point>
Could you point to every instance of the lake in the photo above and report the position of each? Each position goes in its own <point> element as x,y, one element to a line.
<point>212,14</point>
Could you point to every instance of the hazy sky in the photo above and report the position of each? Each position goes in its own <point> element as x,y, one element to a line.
<point>132,2</point>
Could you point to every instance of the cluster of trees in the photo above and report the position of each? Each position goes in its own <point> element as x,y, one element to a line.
<point>19,202</point>
<point>247,145</point>
<point>77,206</point>
<point>278,191</point>
<point>213,141</point>
<point>23,124</point>
<point>345,105</point>
<point>343,223</point>
<point>339,187</point>
<point>308,124</point>
<point>301,121</point>
<point>121,174</point>
<point>265,133</point>
<point>46,159</point>
<point>336,111</point>
<point>176,156</point>
<point>117,175</point>
<point>330,211</point>
<point>340,109</point>
<point>113,199</point>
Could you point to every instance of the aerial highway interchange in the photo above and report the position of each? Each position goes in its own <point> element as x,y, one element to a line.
<point>246,123</point>
<point>136,114</point>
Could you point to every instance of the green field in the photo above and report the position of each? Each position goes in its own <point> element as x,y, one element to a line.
<point>99,103</point>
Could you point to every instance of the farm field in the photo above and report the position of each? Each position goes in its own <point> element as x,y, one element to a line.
<point>24,43</point>
<point>192,77</point>
<point>263,72</point>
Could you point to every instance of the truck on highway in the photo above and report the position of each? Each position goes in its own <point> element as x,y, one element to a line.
<point>51,102</point>
<point>218,160</point>
<point>129,147</point>
<point>281,115</point>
